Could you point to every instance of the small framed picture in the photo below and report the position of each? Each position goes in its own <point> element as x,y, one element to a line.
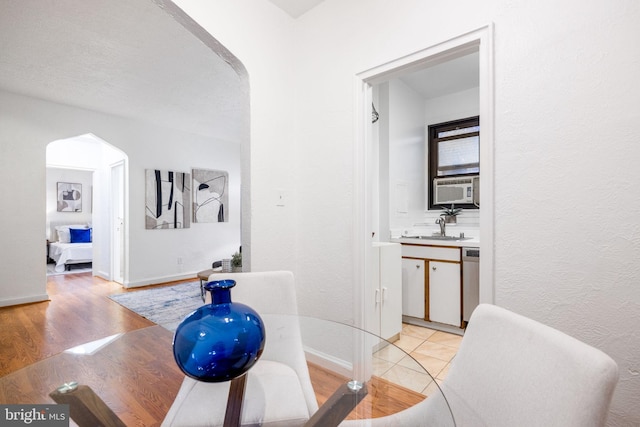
<point>69,197</point>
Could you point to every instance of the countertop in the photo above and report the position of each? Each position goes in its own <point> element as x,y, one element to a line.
<point>473,242</point>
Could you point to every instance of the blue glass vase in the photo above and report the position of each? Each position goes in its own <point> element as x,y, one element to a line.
<point>219,341</point>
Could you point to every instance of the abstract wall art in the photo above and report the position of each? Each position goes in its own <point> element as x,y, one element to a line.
<point>167,199</point>
<point>69,197</point>
<point>210,195</point>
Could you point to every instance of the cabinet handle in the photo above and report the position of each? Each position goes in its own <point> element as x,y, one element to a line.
<point>433,268</point>
<point>418,266</point>
<point>377,297</point>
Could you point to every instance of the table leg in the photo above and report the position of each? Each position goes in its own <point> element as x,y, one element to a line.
<point>339,405</point>
<point>86,408</point>
<point>234,402</point>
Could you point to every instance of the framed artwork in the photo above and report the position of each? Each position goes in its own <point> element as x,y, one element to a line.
<point>210,199</point>
<point>167,199</point>
<point>69,197</point>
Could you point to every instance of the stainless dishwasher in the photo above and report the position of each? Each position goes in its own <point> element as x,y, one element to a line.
<point>470,281</point>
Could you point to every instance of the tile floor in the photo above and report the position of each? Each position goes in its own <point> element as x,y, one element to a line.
<point>432,349</point>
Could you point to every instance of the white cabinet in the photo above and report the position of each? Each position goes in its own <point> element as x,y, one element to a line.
<point>431,278</point>
<point>413,285</point>
<point>384,306</point>
<point>444,292</point>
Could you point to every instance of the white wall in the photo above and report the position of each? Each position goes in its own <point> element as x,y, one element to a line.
<point>380,164</point>
<point>28,125</point>
<point>455,106</point>
<point>261,36</point>
<point>566,93</point>
<point>407,153</point>
<point>56,175</point>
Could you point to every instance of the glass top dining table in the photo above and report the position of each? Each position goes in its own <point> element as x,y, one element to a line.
<point>135,375</point>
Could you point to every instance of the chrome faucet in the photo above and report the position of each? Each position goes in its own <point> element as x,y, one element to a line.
<point>442,225</point>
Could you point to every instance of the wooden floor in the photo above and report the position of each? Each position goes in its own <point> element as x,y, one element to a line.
<point>138,377</point>
<point>79,311</point>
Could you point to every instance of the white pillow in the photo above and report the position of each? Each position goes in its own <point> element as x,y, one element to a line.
<point>64,235</point>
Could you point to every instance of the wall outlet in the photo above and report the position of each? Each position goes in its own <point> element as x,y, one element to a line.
<point>179,260</point>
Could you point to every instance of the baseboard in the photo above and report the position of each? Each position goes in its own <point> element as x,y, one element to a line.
<point>160,280</point>
<point>433,325</point>
<point>24,300</point>
<point>329,362</point>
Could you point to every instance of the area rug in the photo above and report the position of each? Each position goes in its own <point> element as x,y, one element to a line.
<point>167,306</point>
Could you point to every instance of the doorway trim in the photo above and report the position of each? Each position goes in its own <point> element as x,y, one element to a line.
<point>480,40</point>
<point>118,224</point>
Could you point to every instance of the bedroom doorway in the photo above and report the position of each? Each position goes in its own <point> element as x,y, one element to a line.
<point>103,197</point>
<point>68,202</point>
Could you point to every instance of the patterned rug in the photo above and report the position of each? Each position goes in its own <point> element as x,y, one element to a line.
<point>166,306</point>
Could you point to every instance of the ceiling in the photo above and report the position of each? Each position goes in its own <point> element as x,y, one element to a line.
<point>121,57</point>
<point>454,75</point>
<point>132,59</point>
<point>443,79</point>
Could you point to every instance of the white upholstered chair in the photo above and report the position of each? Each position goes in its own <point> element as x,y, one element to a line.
<point>513,371</point>
<point>278,390</point>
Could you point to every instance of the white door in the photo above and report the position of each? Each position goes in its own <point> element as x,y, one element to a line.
<point>117,222</point>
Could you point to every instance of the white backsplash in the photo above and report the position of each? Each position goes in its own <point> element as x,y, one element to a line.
<point>468,222</point>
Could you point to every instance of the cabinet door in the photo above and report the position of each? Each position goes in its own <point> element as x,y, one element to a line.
<point>413,275</point>
<point>390,291</point>
<point>373,304</point>
<point>444,292</point>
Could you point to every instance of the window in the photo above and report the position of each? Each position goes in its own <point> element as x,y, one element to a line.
<point>454,150</point>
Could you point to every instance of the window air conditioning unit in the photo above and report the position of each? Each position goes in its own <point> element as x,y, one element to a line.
<point>460,190</point>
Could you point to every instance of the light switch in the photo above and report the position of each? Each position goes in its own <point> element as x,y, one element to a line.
<point>280,197</point>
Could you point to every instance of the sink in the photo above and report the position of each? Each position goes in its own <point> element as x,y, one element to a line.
<point>439,237</point>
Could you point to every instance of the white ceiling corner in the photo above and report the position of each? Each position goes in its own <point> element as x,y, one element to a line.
<point>296,8</point>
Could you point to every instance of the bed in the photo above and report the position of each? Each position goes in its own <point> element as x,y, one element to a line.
<point>70,244</point>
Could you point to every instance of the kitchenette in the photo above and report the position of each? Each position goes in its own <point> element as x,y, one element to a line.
<point>426,199</point>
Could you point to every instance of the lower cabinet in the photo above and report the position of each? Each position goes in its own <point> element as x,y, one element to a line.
<point>444,293</point>
<point>431,283</point>
<point>413,285</point>
<point>384,309</point>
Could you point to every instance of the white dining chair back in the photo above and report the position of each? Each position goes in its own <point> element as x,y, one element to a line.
<point>513,371</point>
<point>278,390</point>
